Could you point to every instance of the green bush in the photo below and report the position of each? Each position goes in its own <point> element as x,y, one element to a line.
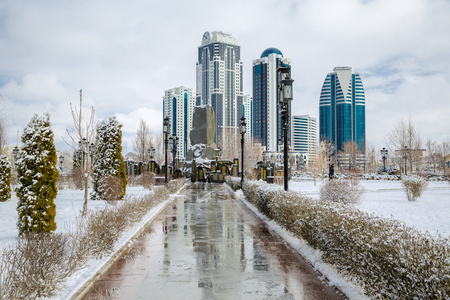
<point>387,258</point>
<point>37,175</point>
<point>5,179</point>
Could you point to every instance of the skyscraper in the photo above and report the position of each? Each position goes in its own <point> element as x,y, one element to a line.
<point>267,127</point>
<point>342,109</point>
<point>219,80</point>
<point>179,107</point>
<point>247,108</point>
<point>304,134</point>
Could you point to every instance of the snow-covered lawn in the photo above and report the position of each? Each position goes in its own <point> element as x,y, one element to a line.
<point>69,203</point>
<point>430,212</point>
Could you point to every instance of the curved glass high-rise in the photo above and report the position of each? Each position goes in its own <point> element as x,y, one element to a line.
<point>343,109</point>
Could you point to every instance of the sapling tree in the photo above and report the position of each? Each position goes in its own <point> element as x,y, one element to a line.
<point>81,140</point>
<point>37,175</point>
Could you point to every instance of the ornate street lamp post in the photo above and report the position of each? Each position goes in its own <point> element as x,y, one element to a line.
<point>174,140</point>
<point>242,130</point>
<point>61,161</point>
<point>166,141</point>
<point>16,152</point>
<point>384,154</point>
<point>151,153</point>
<point>285,96</point>
<point>405,157</point>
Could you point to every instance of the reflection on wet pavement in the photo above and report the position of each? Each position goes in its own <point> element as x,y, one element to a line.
<point>208,245</point>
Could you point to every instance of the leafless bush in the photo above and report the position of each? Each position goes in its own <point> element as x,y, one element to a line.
<point>414,186</point>
<point>146,179</point>
<point>342,191</point>
<point>111,187</point>
<point>37,264</point>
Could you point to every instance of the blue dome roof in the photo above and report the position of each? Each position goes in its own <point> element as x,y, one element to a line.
<point>270,51</point>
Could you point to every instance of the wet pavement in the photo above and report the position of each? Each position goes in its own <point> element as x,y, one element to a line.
<point>209,245</point>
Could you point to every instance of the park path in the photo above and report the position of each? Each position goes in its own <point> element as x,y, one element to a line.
<point>209,245</point>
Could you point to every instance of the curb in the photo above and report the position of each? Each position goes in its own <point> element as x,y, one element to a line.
<point>86,287</point>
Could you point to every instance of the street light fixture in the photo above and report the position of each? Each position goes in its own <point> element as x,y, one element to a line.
<point>61,160</point>
<point>151,152</point>
<point>166,141</point>
<point>384,154</point>
<point>16,152</point>
<point>285,96</point>
<point>174,139</point>
<point>242,130</point>
<point>405,157</point>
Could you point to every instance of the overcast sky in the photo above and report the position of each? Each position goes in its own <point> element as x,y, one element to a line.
<point>124,54</point>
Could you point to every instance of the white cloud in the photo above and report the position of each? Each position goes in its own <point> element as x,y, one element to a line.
<point>124,55</point>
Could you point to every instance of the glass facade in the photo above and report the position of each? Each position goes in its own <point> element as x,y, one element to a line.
<point>342,109</point>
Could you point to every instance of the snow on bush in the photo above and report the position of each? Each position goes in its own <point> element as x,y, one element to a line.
<point>37,175</point>
<point>108,160</point>
<point>5,179</point>
<point>233,182</point>
<point>343,191</point>
<point>414,186</point>
<point>386,257</point>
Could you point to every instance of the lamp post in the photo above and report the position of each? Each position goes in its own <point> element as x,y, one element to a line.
<point>384,154</point>
<point>174,139</point>
<point>405,157</point>
<point>242,129</point>
<point>166,141</point>
<point>16,152</point>
<point>285,96</point>
<point>151,153</point>
<point>61,160</point>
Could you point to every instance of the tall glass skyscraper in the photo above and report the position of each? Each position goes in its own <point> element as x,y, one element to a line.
<point>267,127</point>
<point>178,105</point>
<point>219,80</point>
<point>304,134</point>
<point>342,109</point>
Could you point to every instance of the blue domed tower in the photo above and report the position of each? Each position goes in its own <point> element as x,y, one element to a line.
<point>266,117</point>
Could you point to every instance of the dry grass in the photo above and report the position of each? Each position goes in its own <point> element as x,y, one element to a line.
<point>37,265</point>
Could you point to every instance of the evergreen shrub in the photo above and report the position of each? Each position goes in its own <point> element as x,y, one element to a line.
<point>37,175</point>
<point>5,179</point>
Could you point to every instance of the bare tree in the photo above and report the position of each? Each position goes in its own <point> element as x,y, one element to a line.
<point>326,157</point>
<point>371,158</point>
<point>142,142</point>
<point>404,140</point>
<point>82,137</point>
<point>432,155</point>
<point>2,133</point>
<point>350,153</point>
<point>444,152</point>
<point>231,148</point>
<point>2,136</point>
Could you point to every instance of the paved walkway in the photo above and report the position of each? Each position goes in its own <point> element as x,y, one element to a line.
<point>208,245</point>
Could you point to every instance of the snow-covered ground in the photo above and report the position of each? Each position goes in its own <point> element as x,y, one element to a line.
<point>69,204</point>
<point>430,212</point>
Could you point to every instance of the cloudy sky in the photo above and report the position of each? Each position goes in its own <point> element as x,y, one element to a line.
<point>124,54</point>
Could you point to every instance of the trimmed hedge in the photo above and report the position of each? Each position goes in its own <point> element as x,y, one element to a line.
<point>386,257</point>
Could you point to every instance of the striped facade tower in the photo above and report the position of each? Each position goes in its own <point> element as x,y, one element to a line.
<point>179,107</point>
<point>219,80</point>
<point>342,109</point>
